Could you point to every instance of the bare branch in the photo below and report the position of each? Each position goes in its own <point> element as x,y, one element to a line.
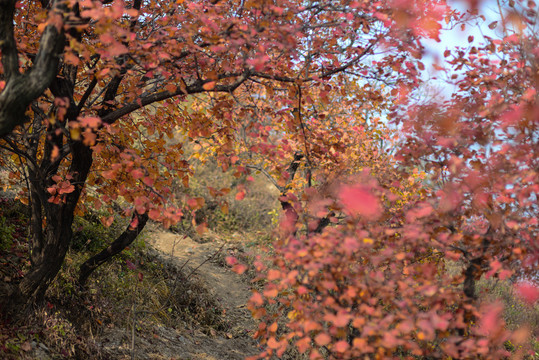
<point>157,96</point>
<point>21,89</point>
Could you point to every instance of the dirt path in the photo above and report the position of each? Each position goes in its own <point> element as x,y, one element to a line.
<point>226,286</point>
<point>228,289</point>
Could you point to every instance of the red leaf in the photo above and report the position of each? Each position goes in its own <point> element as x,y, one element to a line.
<point>528,292</point>
<point>137,173</point>
<point>148,180</point>
<point>108,174</point>
<point>117,49</point>
<point>357,200</point>
<point>240,195</point>
<point>154,214</point>
<point>490,320</point>
<point>106,38</point>
<point>91,122</point>
<point>130,265</point>
<point>134,223</point>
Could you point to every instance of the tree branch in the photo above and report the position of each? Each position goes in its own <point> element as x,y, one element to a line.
<point>21,89</point>
<point>265,173</point>
<point>117,246</point>
<point>87,94</point>
<point>322,75</point>
<point>194,88</point>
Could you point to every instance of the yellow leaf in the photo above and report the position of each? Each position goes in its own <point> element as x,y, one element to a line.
<point>224,208</point>
<point>292,314</point>
<point>75,133</point>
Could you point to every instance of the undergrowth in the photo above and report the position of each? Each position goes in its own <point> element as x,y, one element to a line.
<point>144,288</point>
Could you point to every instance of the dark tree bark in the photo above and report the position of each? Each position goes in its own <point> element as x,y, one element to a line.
<point>287,207</point>
<point>117,246</point>
<point>50,245</point>
<point>21,89</point>
<point>289,211</point>
<point>472,272</point>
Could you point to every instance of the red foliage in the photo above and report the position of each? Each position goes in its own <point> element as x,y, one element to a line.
<point>376,283</point>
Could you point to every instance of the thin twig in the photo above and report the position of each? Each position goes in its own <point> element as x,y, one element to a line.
<point>205,261</point>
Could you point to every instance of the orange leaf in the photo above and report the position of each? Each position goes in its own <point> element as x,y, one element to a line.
<point>341,346</point>
<point>257,299</point>
<point>273,344</point>
<point>273,327</point>
<point>209,86</point>
<point>240,195</point>
<point>224,208</point>
<point>107,221</point>
<point>322,339</point>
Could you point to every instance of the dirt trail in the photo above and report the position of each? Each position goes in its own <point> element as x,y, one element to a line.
<point>227,287</point>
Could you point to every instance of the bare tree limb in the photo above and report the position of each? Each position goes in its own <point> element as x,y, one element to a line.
<point>194,88</point>
<point>21,89</point>
<point>117,246</point>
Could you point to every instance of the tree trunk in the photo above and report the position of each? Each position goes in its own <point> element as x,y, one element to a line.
<point>51,235</point>
<point>47,260</point>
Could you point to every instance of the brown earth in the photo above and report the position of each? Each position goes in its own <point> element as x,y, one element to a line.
<point>230,290</point>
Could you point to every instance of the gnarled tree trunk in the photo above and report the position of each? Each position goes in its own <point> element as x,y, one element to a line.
<point>51,233</point>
